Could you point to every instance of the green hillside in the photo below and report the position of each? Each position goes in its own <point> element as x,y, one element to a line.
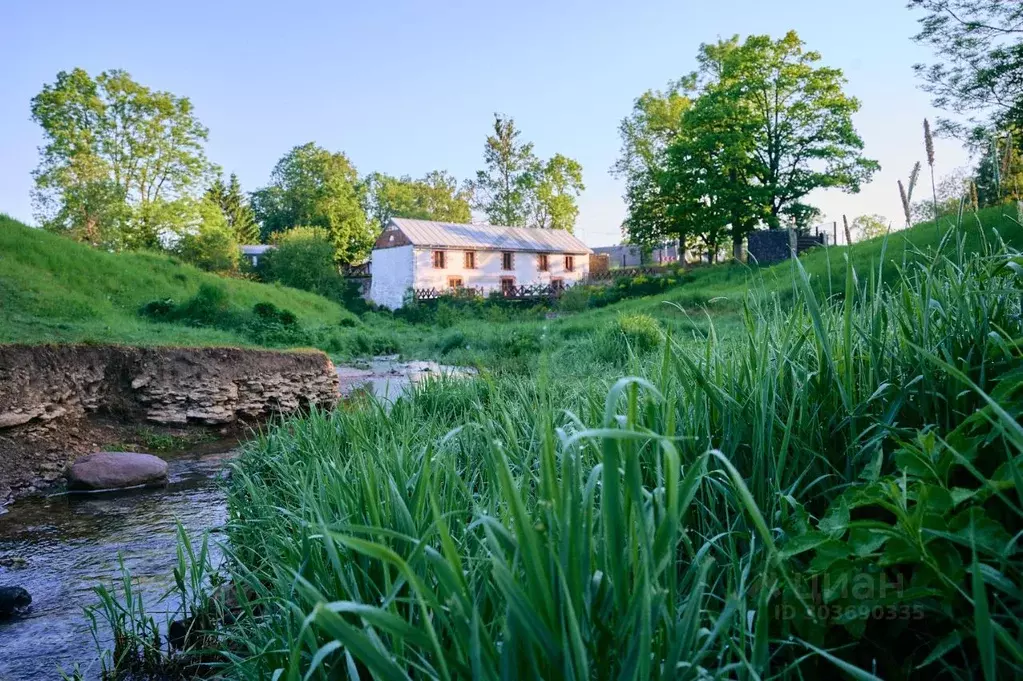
<point>728,284</point>
<point>54,289</point>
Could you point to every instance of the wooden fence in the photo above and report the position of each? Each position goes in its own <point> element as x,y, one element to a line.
<point>527,292</point>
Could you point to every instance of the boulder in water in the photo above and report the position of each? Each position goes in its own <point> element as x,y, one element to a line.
<point>13,599</point>
<point>116,470</point>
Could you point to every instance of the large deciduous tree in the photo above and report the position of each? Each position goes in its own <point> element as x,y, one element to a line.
<point>121,164</point>
<point>555,186</point>
<point>739,143</point>
<point>797,117</point>
<point>314,187</point>
<point>978,72</point>
<point>655,122</point>
<point>501,191</point>
<point>435,196</point>
<point>518,189</point>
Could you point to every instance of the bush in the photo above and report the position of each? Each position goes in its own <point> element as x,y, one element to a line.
<point>213,245</point>
<point>638,333</point>
<point>208,307</point>
<point>303,258</point>
<point>159,310</point>
<point>575,298</point>
<point>450,341</point>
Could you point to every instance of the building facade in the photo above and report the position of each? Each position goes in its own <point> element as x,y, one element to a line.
<point>634,256</point>
<point>422,254</point>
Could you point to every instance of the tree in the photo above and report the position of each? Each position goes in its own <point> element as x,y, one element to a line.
<point>501,191</point>
<point>952,192</point>
<point>800,121</point>
<point>212,244</point>
<point>237,211</point>
<point>870,226</point>
<point>521,190</point>
<point>655,121</point>
<point>999,173</point>
<point>303,258</point>
<point>121,164</point>
<point>739,143</point>
<point>435,196</point>
<point>311,186</point>
<point>708,183</point>
<point>978,73</point>
<point>555,187</point>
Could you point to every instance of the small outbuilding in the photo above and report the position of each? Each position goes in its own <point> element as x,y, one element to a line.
<point>423,254</point>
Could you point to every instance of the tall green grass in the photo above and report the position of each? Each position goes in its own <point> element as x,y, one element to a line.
<point>834,490</point>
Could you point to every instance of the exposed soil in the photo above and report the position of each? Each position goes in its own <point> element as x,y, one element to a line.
<point>60,401</point>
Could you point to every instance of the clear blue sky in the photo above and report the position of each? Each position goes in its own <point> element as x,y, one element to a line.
<point>407,87</point>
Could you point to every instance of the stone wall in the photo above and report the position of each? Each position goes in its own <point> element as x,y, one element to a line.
<point>50,394</point>
<point>768,246</point>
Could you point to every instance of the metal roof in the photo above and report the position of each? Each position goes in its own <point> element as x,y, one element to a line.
<point>488,237</point>
<point>255,249</point>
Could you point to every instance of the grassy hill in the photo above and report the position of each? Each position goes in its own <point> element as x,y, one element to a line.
<point>726,285</point>
<point>53,289</point>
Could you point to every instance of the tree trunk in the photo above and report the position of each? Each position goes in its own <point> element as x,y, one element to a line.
<point>737,249</point>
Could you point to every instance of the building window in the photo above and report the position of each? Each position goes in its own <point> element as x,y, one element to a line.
<point>455,282</point>
<point>570,263</point>
<point>507,261</point>
<point>438,259</point>
<point>470,260</point>
<point>557,283</point>
<point>507,285</point>
<point>541,262</point>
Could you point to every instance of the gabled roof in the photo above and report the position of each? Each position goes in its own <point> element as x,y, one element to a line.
<point>484,237</point>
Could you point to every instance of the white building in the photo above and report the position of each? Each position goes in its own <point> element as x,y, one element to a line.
<point>420,254</point>
<point>254,252</point>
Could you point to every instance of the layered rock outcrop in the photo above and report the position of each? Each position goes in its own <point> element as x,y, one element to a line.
<point>47,393</point>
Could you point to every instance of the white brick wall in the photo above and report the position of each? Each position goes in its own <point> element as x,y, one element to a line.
<point>392,274</point>
<point>489,270</point>
<point>394,270</point>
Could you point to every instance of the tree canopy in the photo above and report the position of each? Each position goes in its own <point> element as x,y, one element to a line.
<point>435,196</point>
<point>739,143</point>
<point>121,164</point>
<point>311,186</point>
<point>978,70</point>
<point>516,188</point>
<point>238,214</point>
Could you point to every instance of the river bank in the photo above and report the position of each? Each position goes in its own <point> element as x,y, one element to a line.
<point>60,401</point>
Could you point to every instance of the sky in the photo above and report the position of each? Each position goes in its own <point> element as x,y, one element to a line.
<point>408,87</point>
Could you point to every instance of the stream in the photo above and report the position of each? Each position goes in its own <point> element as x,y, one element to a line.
<point>70,543</point>
<point>60,547</point>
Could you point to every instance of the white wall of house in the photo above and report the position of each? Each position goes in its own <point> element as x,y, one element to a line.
<point>395,270</point>
<point>489,269</point>
<point>393,273</point>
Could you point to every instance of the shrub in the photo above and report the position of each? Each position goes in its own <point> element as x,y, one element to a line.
<point>159,310</point>
<point>575,298</point>
<point>450,341</point>
<point>208,307</point>
<point>638,333</point>
<point>212,246</point>
<point>303,258</point>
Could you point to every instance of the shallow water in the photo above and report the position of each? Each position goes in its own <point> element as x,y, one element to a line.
<point>71,543</point>
<point>387,377</point>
